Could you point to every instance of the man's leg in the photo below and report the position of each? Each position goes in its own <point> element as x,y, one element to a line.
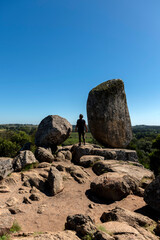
<point>83,135</point>
<point>79,133</point>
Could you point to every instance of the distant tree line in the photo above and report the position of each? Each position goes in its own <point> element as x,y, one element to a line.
<point>13,139</point>
<point>146,141</point>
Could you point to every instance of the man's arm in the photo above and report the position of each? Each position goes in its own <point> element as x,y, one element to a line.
<point>76,126</point>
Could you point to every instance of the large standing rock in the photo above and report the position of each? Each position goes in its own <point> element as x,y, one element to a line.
<point>23,159</point>
<point>6,167</point>
<point>52,131</point>
<point>108,116</point>
<point>152,194</point>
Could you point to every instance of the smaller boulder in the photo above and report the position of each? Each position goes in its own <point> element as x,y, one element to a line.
<point>114,186</point>
<point>34,197</point>
<point>6,221</point>
<point>23,159</point>
<point>61,155</point>
<point>82,224</point>
<point>152,194</point>
<point>44,155</point>
<point>52,131</point>
<point>12,201</point>
<point>65,154</point>
<point>6,167</point>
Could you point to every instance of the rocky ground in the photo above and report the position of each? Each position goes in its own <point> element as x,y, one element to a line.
<point>55,200</point>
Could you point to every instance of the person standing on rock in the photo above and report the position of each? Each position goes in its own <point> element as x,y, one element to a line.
<point>81,126</point>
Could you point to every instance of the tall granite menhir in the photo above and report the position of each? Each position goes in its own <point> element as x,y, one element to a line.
<point>108,116</point>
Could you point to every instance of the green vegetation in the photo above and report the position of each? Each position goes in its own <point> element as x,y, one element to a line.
<point>88,237</point>
<point>146,141</point>
<point>144,138</point>
<point>30,166</point>
<point>12,139</point>
<point>155,156</point>
<point>73,139</point>
<point>5,237</point>
<point>15,227</point>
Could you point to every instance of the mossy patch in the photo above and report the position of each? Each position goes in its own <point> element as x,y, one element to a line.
<point>30,166</point>
<point>103,229</point>
<point>110,87</point>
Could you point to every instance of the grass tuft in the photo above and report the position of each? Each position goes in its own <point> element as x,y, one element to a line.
<point>15,227</point>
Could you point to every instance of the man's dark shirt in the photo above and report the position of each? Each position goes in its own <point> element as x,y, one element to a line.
<point>81,125</point>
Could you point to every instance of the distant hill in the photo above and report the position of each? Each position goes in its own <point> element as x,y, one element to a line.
<point>146,128</point>
<point>17,126</point>
<point>137,128</point>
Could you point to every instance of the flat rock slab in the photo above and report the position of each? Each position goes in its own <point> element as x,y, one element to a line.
<point>107,153</point>
<point>63,235</point>
<point>135,170</point>
<point>122,231</point>
<point>6,167</point>
<point>124,215</point>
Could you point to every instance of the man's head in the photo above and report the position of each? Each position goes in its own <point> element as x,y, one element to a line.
<point>80,116</point>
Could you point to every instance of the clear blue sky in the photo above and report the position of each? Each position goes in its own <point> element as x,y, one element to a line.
<point>52,53</point>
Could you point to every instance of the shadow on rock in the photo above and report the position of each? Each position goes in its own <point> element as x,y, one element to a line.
<point>149,212</point>
<point>95,199</point>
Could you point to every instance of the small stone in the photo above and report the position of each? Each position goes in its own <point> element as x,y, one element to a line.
<point>34,197</point>
<point>26,200</point>
<point>91,205</point>
<point>11,202</point>
<point>14,210</point>
<point>22,191</point>
<point>34,190</point>
<point>41,209</point>
<point>4,189</point>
